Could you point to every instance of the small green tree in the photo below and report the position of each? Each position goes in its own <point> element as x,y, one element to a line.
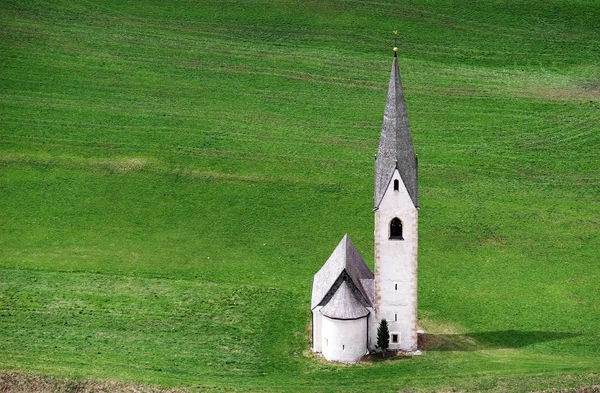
<point>383,336</point>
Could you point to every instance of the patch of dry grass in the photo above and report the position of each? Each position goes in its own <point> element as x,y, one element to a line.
<point>16,382</point>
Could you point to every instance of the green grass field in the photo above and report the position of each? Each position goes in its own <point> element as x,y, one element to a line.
<point>172,175</point>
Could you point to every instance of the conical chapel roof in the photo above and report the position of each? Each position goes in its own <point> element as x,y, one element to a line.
<point>395,145</point>
<point>344,304</point>
<point>344,265</point>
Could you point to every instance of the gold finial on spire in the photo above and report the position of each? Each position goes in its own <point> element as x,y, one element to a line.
<point>395,38</point>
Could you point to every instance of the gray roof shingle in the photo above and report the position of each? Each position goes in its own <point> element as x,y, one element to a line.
<point>344,304</point>
<point>395,145</point>
<point>344,268</point>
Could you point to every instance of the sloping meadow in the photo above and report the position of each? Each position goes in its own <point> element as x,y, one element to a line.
<point>172,174</point>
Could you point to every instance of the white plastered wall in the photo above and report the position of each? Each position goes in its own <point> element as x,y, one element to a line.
<point>344,340</point>
<point>317,321</point>
<point>396,267</point>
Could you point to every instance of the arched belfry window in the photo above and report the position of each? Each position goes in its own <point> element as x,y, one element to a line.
<point>396,229</point>
<point>396,185</point>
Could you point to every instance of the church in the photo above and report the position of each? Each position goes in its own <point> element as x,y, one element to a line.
<point>348,300</point>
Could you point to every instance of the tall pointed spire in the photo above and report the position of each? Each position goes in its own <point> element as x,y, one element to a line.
<point>395,145</point>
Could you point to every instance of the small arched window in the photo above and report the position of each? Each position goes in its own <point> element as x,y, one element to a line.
<point>396,185</point>
<point>396,229</point>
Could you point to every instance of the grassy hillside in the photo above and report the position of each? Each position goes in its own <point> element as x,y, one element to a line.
<point>172,174</point>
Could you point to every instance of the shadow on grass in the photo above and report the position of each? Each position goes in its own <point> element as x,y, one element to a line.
<point>487,340</point>
<point>391,356</point>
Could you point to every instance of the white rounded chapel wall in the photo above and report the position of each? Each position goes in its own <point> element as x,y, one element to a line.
<point>344,340</point>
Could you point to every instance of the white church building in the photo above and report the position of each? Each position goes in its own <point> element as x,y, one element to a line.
<point>348,300</point>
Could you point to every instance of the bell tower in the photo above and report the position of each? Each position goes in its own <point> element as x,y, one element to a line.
<point>396,223</point>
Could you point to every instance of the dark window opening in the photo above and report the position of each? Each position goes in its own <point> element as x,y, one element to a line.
<point>395,338</point>
<point>396,185</point>
<point>396,229</point>
<point>395,287</point>
<point>343,347</point>
<point>395,317</point>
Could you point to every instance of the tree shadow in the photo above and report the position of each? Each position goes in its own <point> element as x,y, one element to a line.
<point>487,340</point>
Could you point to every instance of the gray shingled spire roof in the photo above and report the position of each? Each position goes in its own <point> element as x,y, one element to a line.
<point>395,145</point>
<point>344,268</point>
